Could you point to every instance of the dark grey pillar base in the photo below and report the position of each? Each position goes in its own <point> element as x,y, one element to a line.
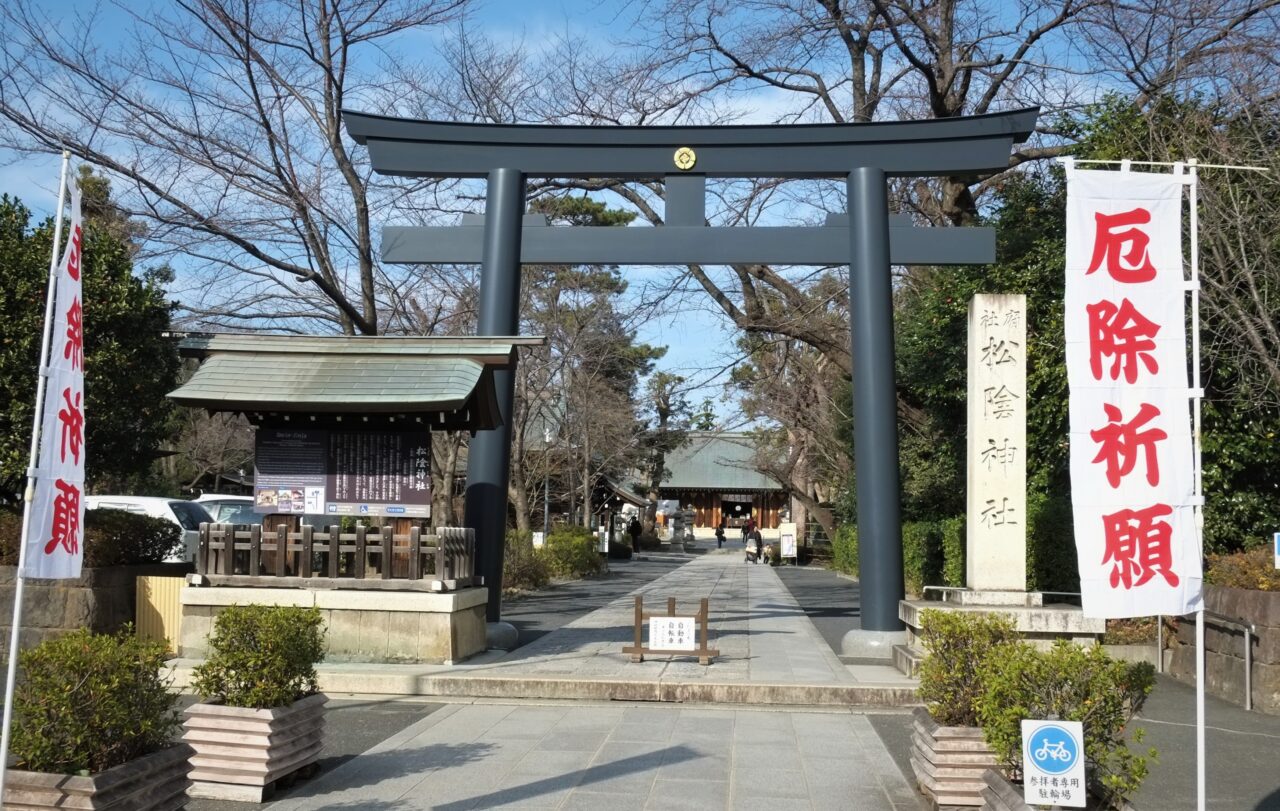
<point>501,636</point>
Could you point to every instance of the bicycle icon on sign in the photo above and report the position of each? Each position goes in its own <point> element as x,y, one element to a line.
<point>1052,749</point>
<point>1057,751</point>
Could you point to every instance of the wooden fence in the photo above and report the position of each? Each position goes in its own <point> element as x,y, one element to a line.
<point>444,557</point>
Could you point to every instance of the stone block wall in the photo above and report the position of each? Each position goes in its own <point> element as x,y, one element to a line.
<point>360,626</point>
<point>1224,647</point>
<point>101,599</point>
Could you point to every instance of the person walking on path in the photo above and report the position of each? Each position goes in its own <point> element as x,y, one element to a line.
<point>720,533</point>
<point>755,542</point>
<point>634,529</point>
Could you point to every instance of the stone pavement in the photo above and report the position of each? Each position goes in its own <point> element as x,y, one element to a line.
<point>619,757</point>
<point>770,651</point>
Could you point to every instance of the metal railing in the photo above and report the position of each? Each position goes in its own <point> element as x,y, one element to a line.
<point>1249,632</point>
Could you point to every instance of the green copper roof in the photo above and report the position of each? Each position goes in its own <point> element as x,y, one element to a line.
<point>716,461</point>
<point>347,375</point>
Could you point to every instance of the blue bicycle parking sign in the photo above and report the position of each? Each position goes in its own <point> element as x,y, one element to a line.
<point>1053,749</point>
<point>1053,763</point>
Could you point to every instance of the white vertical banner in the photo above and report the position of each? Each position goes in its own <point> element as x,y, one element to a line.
<point>55,534</point>
<point>1133,488</point>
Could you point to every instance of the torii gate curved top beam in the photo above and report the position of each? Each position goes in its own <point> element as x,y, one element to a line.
<point>943,146</point>
<point>684,157</point>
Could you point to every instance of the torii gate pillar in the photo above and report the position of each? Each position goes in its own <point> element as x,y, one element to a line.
<point>488,466</point>
<point>875,402</point>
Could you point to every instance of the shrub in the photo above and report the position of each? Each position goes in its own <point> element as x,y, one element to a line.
<point>262,656</point>
<point>111,538</point>
<point>921,554</point>
<point>88,702</point>
<point>956,645</point>
<point>523,567</point>
<point>619,549</point>
<point>571,552</point>
<point>844,549</point>
<point>1130,631</point>
<point>953,543</point>
<point>1051,544</point>
<point>1254,569</point>
<point>649,542</point>
<point>1068,683</point>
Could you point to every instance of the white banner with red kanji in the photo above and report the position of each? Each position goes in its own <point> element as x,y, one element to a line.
<point>55,537</point>
<point>1132,464</point>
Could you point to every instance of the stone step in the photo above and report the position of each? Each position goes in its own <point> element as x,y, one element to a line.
<point>908,659</point>
<point>426,680</point>
<point>754,693</point>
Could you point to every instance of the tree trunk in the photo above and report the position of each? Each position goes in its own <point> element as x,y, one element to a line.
<point>444,467</point>
<point>520,505</point>
<point>820,514</point>
<point>586,482</point>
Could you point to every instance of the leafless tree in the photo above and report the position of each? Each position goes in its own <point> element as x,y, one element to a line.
<point>210,446</point>
<point>220,121</point>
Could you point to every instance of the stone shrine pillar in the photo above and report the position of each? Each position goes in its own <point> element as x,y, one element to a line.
<point>995,521</point>
<point>996,501</point>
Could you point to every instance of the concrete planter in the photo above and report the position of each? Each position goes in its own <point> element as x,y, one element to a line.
<point>1000,794</point>
<point>240,753</point>
<point>949,761</point>
<point>155,782</point>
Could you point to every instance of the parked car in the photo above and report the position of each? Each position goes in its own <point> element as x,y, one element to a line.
<point>187,514</point>
<point>227,509</point>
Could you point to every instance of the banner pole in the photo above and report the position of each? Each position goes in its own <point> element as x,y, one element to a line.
<point>15,627</point>
<point>1196,394</point>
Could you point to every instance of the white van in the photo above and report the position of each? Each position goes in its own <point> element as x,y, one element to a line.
<point>186,514</point>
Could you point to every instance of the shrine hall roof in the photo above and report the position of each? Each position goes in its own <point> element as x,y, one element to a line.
<point>723,461</point>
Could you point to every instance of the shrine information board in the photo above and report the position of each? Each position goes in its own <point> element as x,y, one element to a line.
<point>342,472</point>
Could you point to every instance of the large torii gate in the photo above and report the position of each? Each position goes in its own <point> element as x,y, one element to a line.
<point>868,240</point>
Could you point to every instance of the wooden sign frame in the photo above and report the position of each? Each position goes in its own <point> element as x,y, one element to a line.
<point>638,650</point>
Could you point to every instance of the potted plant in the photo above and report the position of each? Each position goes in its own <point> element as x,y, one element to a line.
<point>264,718</point>
<point>949,754</point>
<point>1068,683</point>
<point>93,726</point>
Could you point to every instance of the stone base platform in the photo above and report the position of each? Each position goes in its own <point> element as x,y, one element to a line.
<point>1037,623</point>
<point>382,626</point>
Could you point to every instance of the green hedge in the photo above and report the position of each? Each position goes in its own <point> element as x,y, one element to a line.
<point>88,702</point>
<point>571,552</point>
<point>523,567</point>
<point>1051,544</point>
<point>262,656</point>
<point>953,546</point>
<point>921,554</point>
<point>844,549</point>
<point>111,538</point>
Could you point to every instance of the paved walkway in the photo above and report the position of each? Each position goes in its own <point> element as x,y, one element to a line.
<point>769,650</point>
<point>616,757</point>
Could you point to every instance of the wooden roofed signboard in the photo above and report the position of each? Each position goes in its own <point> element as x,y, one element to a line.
<point>344,423</point>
